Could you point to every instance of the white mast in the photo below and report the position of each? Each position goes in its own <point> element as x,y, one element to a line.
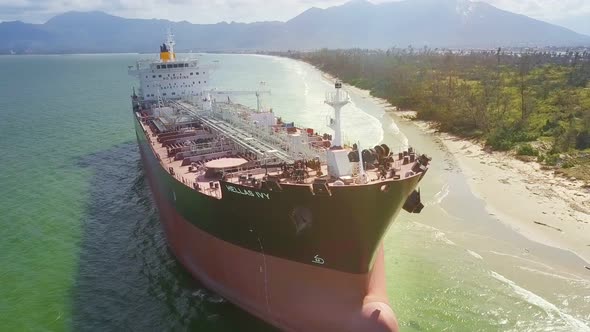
<point>259,92</point>
<point>170,41</point>
<point>337,100</point>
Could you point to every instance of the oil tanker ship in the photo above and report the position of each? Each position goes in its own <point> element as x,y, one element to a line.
<point>282,221</point>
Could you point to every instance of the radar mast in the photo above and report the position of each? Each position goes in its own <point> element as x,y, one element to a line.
<point>337,99</point>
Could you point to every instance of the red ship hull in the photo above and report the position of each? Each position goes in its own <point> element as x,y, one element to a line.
<point>289,295</point>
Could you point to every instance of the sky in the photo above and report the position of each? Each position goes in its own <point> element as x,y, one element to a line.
<point>574,14</point>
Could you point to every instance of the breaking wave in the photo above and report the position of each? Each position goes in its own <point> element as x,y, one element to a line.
<point>540,302</point>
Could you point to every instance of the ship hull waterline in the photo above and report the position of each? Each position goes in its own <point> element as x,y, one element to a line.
<point>287,294</point>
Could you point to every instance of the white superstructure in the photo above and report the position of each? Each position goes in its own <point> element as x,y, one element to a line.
<point>171,78</point>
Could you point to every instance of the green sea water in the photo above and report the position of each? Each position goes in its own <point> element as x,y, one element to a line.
<point>81,246</point>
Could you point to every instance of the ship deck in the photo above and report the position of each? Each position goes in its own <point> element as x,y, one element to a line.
<point>194,174</point>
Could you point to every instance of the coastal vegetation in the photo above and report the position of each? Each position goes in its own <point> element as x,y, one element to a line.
<point>533,103</point>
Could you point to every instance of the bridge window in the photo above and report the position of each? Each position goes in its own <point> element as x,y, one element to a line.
<point>197,73</point>
<point>191,73</point>
<point>168,66</point>
<point>159,75</point>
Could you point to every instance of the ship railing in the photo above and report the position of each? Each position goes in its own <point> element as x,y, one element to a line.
<point>228,113</point>
<point>251,130</point>
<point>254,172</point>
<point>215,191</point>
<point>204,152</point>
<point>244,139</point>
<point>265,135</point>
<point>339,96</point>
<point>280,138</point>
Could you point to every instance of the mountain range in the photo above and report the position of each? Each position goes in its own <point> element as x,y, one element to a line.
<point>358,23</point>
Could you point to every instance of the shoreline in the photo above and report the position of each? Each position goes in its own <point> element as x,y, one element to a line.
<point>542,206</point>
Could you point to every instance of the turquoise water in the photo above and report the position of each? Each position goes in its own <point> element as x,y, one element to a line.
<point>81,247</point>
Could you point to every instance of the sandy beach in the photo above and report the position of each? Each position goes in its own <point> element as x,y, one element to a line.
<point>544,207</point>
<point>537,203</point>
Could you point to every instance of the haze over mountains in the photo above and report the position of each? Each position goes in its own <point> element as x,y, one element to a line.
<point>358,23</point>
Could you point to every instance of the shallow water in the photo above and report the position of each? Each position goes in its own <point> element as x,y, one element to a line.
<point>82,248</point>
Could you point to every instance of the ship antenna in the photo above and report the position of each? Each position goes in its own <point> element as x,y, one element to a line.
<point>170,41</point>
<point>337,99</point>
<point>258,96</point>
<point>167,49</point>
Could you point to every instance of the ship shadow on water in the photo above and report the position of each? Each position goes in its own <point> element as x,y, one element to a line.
<point>127,277</point>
